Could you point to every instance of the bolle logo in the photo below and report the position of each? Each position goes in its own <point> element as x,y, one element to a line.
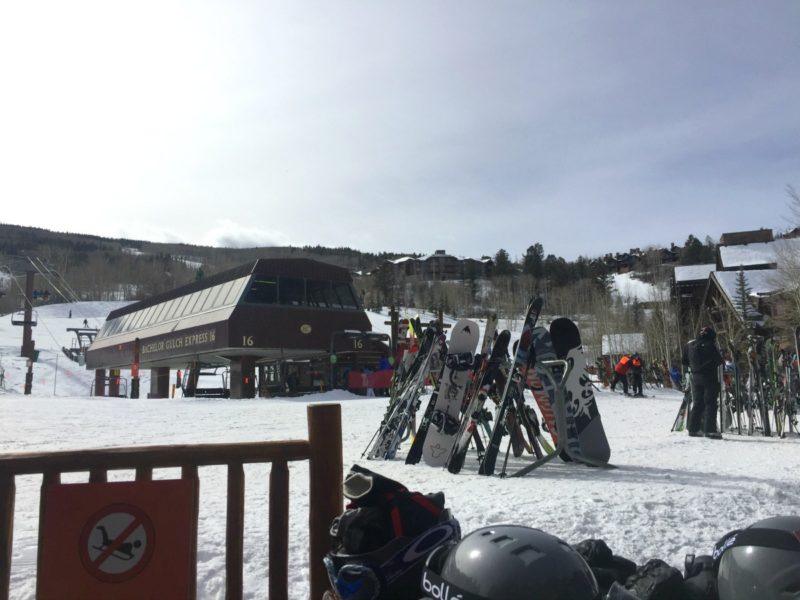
<point>438,592</point>
<point>718,550</point>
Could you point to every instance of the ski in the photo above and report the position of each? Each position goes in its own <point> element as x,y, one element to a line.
<point>401,406</point>
<point>686,404</point>
<point>512,387</point>
<point>473,411</point>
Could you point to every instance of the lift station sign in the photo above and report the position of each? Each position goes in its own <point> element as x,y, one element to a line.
<point>119,540</point>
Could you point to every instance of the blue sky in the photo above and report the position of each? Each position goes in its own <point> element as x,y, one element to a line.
<point>587,126</point>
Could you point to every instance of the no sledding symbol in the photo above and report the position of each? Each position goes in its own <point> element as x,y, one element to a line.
<point>117,542</point>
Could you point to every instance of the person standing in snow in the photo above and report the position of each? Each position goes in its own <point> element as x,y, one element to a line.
<point>621,373</point>
<point>702,356</point>
<point>637,366</point>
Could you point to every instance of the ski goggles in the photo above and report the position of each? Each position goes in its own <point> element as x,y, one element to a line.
<point>360,578</point>
<point>761,538</point>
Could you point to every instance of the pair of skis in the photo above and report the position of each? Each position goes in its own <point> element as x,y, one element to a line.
<point>513,390</point>
<point>682,418</point>
<point>403,402</point>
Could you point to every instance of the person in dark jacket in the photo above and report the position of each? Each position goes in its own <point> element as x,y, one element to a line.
<point>637,366</point>
<point>702,356</point>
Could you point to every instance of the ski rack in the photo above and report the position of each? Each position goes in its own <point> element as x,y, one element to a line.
<point>561,425</point>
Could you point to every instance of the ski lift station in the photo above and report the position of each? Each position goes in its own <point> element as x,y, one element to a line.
<point>269,317</point>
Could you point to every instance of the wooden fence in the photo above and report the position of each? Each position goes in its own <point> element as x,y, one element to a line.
<point>323,450</point>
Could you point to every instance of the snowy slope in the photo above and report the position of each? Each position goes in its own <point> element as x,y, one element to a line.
<point>670,494</point>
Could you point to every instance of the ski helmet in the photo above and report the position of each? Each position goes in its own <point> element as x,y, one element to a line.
<point>708,332</point>
<point>762,561</point>
<point>510,562</point>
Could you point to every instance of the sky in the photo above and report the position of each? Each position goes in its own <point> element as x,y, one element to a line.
<point>670,494</point>
<point>588,126</point>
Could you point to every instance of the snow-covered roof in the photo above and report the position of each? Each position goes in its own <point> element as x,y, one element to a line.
<point>623,343</point>
<point>762,282</point>
<point>759,254</point>
<point>402,259</point>
<point>438,255</point>
<point>693,273</point>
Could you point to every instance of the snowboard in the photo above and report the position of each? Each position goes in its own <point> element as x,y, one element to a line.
<point>415,452</point>
<point>583,416</point>
<point>444,419</point>
<point>535,381</point>
<point>542,383</point>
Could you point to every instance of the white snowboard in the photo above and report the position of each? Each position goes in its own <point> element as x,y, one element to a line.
<point>443,429</point>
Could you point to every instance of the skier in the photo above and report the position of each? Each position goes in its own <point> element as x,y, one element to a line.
<point>621,373</point>
<point>675,375</point>
<point>702,356</point>
<point>637,366</point>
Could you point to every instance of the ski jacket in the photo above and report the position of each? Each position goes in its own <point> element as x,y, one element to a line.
<point>637,365</point>
<point>623,365</point>
<point>703,357</point>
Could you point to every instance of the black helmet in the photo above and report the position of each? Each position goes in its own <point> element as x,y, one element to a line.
<point>508,562</point>
<point>381,541</point>
<point>762,561</point>
<point>708,332</point>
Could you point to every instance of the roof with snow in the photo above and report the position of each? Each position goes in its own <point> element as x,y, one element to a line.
<point>693,273</point>
<point>623,343</point>
<point>761,254</point>
<point>762,282</point>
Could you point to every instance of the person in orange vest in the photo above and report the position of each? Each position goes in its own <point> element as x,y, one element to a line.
<point>621,373</point>
<point>637,366</point>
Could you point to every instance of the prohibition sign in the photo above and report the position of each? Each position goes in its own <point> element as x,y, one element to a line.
<point>116,543</point>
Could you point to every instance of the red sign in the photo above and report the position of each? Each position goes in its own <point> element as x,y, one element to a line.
<point>121,540</point>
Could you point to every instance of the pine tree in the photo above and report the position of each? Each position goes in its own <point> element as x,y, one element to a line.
<point>532,262</point>
<point>742,299</point>
<point>502,263</point>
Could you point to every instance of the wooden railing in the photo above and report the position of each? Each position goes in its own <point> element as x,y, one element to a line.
<point>323,450</point>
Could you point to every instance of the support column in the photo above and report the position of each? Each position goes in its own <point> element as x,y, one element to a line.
<point>100,382</point>
<point>159,383</point>
<point>243,377</point>
<point>27,331</point>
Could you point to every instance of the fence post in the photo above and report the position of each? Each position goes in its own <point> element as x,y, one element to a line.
<point>278,531</point>
<point>7,492</point>
<point>325,487</point>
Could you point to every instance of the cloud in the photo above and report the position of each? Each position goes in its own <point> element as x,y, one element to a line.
<point>229,234</point>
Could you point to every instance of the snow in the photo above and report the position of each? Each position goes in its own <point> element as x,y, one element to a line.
<point>629,288</point>
<point>669,495</point>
